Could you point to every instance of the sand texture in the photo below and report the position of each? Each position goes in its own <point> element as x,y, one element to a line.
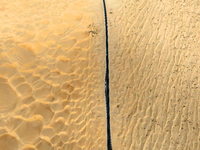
<point>154,74</point>
<point>52,75</point>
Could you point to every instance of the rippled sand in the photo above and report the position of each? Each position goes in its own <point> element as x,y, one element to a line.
<point>154,74</point>
<point>52,75</point>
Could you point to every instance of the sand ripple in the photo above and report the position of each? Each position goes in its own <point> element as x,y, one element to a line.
<point>51,75</point>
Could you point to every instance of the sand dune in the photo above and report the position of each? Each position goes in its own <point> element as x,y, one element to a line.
<point>52,75</point>
<point>52,68</point>
<point>154,67</point>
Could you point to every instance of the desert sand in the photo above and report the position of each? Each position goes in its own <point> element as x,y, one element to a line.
<point>154,74</point>
<point>52,69</point>
<point>52,75</point>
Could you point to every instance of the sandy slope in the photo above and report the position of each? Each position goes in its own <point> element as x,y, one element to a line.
<point>154,67</point>
<point>52,75</point>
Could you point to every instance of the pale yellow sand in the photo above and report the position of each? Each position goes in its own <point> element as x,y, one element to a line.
<point>154,73</point>
<point>52,75</point>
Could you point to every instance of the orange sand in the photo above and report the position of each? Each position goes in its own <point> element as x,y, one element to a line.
<point>52,75</point>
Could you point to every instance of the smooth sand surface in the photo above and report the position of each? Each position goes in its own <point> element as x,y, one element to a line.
<point>154,74</point>
<point>52,75</point>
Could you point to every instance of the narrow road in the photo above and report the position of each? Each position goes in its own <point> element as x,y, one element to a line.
<point>107,93</point>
